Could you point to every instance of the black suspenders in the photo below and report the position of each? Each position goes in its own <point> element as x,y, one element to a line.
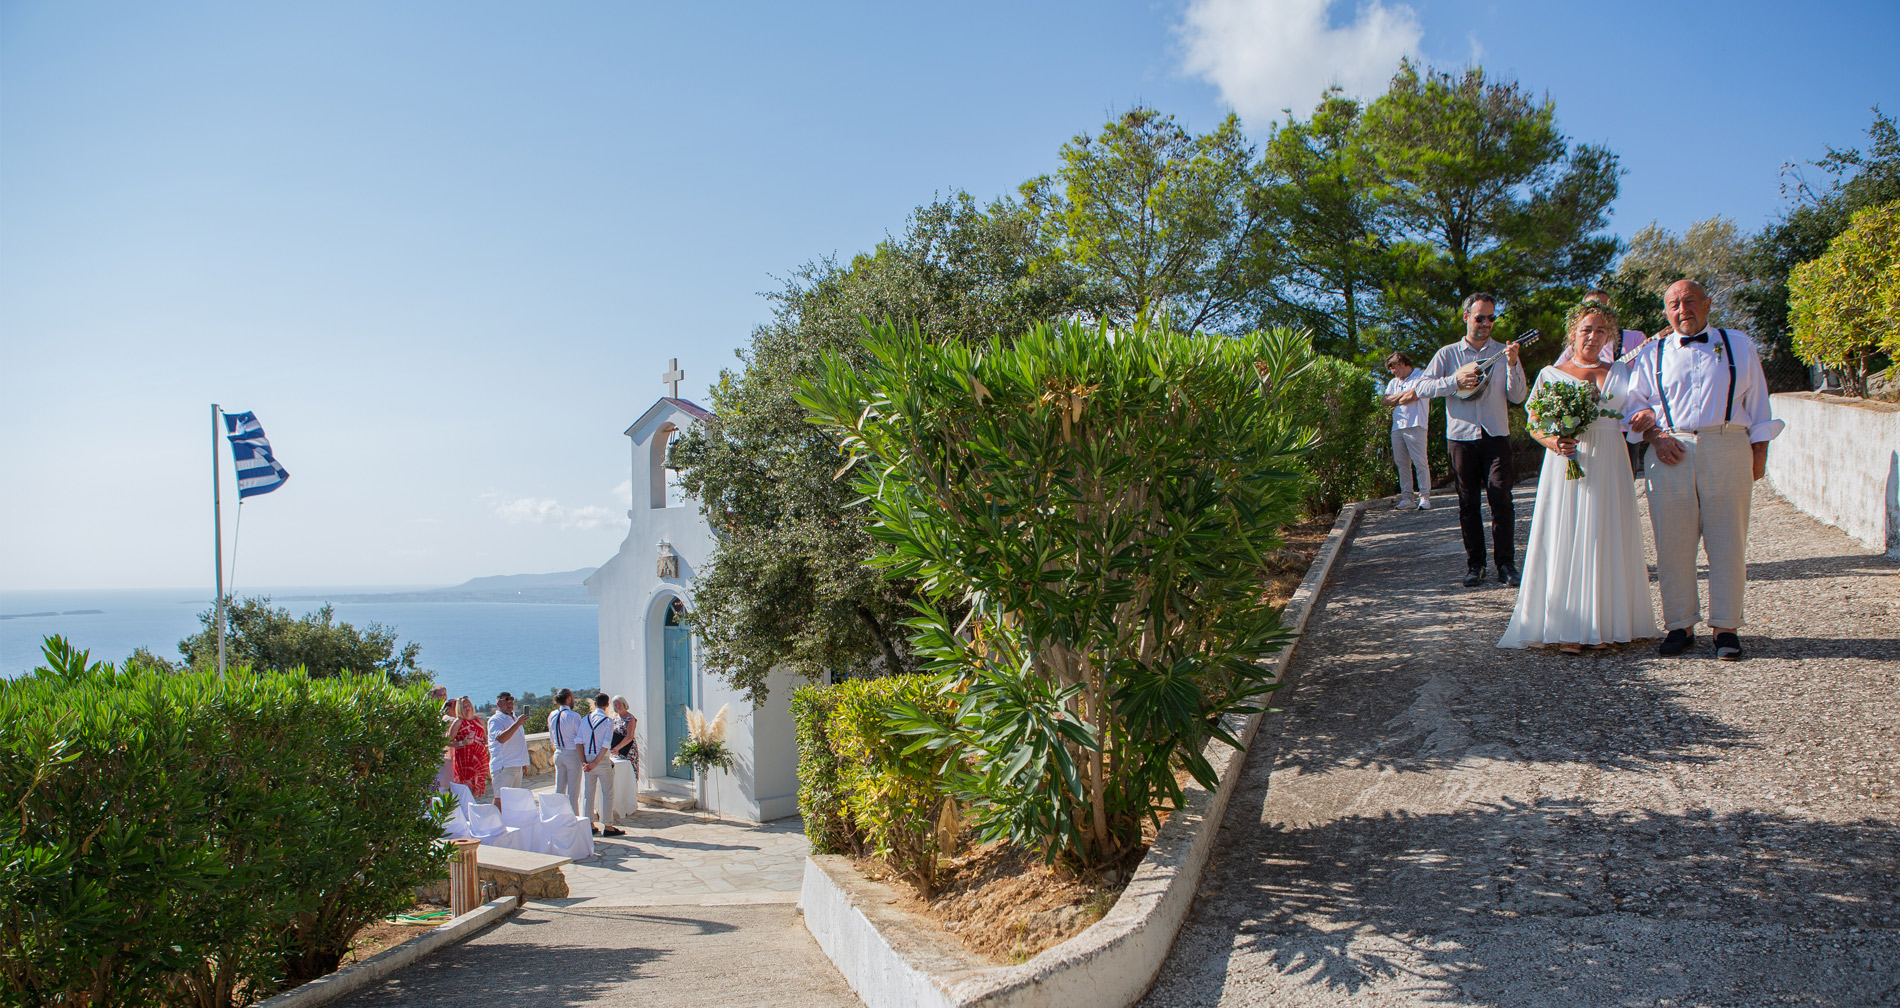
<point>1728,352</point>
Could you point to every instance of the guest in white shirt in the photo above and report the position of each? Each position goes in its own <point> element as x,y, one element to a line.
<point>568,731</point>
<point>507,743</point>
<point>597,774</point>
<point>1410,414</point>
<point>1699,398</point>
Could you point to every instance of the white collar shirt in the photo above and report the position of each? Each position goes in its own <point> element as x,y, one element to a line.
<point>1487,414</point>
<point>1693,392</point>
<point>566,729</point>
<point>1414,413</point>
<point>599,734</point>
<point>512,753</point>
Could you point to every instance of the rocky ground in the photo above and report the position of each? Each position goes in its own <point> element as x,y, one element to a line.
<point>1434,821</point>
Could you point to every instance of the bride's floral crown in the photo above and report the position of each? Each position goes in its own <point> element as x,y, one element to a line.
<point>1579,310</point>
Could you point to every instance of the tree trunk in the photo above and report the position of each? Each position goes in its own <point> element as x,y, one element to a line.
<point>891,665</point>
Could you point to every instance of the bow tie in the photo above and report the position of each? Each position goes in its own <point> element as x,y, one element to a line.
<point>1701,337</point>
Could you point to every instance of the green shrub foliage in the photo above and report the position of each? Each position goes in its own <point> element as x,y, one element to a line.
<point>1103,502</point>
<point>176,838</point>
<point>864,788</point>
<point>1352,459</point>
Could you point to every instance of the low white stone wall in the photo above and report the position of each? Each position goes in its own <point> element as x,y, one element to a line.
<point>891,962</point>
<point>1839,460</point>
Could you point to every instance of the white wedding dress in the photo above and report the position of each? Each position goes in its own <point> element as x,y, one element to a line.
<point>1584,581</point>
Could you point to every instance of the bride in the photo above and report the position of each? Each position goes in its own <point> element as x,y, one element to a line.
<point>1584,580</point>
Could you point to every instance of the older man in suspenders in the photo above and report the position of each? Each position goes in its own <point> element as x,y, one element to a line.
<point>1699,399</point>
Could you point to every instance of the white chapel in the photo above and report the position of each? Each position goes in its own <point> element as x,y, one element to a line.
<point>647,654</point>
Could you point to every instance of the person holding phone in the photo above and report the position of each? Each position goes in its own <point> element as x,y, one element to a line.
<point>507,743</point>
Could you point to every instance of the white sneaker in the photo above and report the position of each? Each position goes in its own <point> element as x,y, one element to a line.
<point>1402,506</point>
<point>1424,505</point>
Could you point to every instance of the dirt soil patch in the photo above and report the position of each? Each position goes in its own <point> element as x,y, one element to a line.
<point>386,934</point>
<point>1003,904</point>
<point>1288,566</point>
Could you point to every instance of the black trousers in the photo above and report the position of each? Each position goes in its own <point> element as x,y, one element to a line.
<point>1485,464</point>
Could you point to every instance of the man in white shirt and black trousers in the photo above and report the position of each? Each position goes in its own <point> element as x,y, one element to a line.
<point>1478,435</point>
<point>568,732</point>
<point>1699,399</point>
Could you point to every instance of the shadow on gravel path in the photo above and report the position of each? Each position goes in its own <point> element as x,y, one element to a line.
<point>1432,820</point>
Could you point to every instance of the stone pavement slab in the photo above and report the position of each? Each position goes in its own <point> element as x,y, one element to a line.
<point>685,957</point>
<point>1435,821</point>
<point>675,858</point>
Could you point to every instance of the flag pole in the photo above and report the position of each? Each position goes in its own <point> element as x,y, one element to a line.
<point>217,535</point>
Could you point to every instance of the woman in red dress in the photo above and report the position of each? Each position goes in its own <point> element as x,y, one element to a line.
<point>468,741</point>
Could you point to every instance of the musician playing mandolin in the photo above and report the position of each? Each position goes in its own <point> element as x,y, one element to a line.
<point>1478,433</point>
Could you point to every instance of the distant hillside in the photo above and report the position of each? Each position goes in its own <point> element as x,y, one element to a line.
<point>562,588</point>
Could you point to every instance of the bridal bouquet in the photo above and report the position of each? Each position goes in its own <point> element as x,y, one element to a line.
<point>1564,409</point>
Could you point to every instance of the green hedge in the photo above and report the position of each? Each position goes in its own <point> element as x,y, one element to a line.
<point>1353,459</point>
<point>858,790</point>
<point>186,839</point>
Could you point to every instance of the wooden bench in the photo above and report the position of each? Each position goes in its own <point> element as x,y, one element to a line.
<point>513,873</point>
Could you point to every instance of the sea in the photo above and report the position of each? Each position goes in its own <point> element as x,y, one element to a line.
<point>474,648</point>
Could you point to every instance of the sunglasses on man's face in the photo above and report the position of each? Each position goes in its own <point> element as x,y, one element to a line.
<point>1484,318</point>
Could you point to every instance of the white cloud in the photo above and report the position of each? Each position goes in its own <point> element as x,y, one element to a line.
<point>1270,55</point>
<point>548,511</point>
<point>624,493</point>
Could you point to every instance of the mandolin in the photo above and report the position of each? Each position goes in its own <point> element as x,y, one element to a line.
<point>1483,368</point>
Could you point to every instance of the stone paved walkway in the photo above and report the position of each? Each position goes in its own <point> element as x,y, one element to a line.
<point>1434,821</point>
<point>670,957</point>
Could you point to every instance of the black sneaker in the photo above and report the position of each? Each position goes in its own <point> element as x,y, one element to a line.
<point>1474,576</point>
<point>1728,647</point>
<point>1677,642</point>
<point>1508,575</point>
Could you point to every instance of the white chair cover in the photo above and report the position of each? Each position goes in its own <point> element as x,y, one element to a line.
<point>521,815</point>
<point>563,833</point>
<point>456,828</point>
<point>484,821</point>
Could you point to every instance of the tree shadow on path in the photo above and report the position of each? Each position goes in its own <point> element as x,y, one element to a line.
<point>1558,903</point>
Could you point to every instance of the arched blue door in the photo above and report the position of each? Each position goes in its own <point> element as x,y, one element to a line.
<point>676,649</point>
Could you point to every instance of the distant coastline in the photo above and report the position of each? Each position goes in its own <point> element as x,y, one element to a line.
<point>560,588</point>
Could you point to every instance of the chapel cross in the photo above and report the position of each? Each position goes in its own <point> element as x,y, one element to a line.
<point>672,378</point>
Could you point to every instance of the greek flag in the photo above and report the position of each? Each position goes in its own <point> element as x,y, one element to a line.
<point>257,470</point>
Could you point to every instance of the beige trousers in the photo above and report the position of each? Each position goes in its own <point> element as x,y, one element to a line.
<point>1705,498</point>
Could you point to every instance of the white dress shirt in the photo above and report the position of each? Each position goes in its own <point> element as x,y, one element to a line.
<point>1412,414</point>
<point>512,753</point>
<point>1695,384</point>
<point>1471,419</point>
<point>599,735</point>
<point>566,729</point>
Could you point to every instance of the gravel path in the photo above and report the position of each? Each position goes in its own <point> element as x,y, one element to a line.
<point>677,957</point>
<point>1448,823</point>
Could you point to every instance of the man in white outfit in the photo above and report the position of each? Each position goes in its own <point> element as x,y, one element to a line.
<point>597,773</point>
<point>1699,399</point>
<point>507,743</point>
<point>568,732</point>
<point>1409,417</point>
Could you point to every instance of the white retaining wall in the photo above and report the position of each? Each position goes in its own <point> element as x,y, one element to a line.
<point>1839,460</point>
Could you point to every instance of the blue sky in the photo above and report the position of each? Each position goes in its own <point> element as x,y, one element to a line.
<point>443,250</point>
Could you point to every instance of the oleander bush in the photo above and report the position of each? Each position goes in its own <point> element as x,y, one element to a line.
<point>862,787</point>
<point>180,838</point>
<point>1103,504</point>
